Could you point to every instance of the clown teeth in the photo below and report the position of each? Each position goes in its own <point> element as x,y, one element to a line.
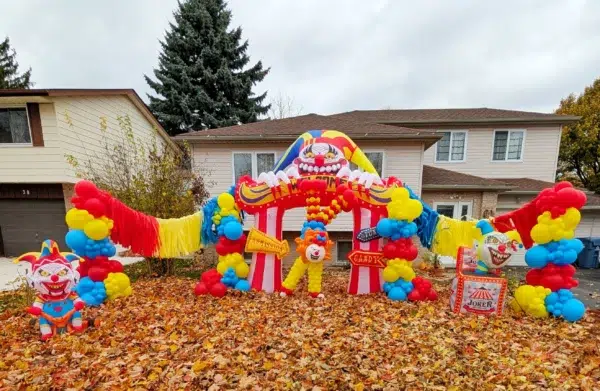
<point>309,169</point>
<point>328,168</point>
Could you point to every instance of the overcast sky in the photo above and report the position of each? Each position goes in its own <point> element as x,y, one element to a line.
<point>332,56</point>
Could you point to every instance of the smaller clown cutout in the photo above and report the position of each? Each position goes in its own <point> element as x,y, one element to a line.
<point>494,250</point>
<point>313,250</point>
<point>53,278</point>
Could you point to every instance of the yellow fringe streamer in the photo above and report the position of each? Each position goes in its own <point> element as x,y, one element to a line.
<point>452,234</point>
<point>179,236</point>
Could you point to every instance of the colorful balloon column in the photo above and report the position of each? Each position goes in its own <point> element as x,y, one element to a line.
<point>401,282</point>
<point>223,227</point>
<point>89,237</point>
<point>551,258</point>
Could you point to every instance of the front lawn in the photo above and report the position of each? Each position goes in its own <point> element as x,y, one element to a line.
<point>163,337</point>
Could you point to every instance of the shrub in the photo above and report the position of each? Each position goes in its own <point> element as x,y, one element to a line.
<point>151,178</point>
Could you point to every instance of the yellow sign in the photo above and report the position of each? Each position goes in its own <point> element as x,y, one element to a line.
<point>260,242</point>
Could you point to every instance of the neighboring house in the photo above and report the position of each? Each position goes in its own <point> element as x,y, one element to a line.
<point>38,129</point>
<point>466,163</point>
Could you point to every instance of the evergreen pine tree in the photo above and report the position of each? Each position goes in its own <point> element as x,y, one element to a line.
<point>202,78</point>
<point>9,75</point>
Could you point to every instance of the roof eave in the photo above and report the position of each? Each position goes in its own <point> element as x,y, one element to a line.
<point>261,138</point>
<point>563,120</point>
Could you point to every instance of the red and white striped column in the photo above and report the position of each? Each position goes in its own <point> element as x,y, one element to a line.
<point>365,279</point>
<point>265,269</point>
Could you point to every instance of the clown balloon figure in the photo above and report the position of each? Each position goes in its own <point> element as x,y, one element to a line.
<point>494,250</point>
<point>53,278</point>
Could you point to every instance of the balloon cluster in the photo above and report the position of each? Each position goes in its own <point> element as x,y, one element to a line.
<point>401,282</point>
<point>89,237</point>
<point>232,270</point>
<point>552,256</point>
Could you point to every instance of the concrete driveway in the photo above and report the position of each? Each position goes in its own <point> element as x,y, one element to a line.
<point>10,271</point>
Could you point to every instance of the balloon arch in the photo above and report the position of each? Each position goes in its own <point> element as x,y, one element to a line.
<point>325,172</point>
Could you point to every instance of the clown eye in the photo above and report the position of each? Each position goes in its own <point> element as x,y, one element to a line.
<point>63,272</point>
<point>329,155</point>
<point>44,273</point>
<point>309,154</point>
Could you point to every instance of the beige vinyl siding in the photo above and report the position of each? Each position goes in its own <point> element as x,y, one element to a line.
<point>84,139</point>
<point>402,160</point>
<point>589,226</point>
<point>28,164</point>
<point>539,156</point>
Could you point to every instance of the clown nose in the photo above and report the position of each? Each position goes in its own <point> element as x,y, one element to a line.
<point>502,248</point>
<point>54,278</point>
<point>319,160</point>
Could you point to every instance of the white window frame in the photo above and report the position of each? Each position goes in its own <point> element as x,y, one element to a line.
<point>17,145</point>
<point>457,205</point>
<point>464,159</point>
<point>253,162</point>
<point>506,160</point>
<point>383,161</point>
<point>338,261</point>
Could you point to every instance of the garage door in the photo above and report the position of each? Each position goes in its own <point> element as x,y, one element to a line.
<point>25,223</point>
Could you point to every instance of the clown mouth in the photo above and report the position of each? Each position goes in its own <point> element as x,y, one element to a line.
<point>327,168</point>
<point>314,257</point>
<point>56,288</point>
<point>498,258</point>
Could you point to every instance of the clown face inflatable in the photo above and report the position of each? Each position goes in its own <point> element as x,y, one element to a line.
<point>53,278</point>
<point>315,253</point>
<point>322,152</point>
<point>494,250</point>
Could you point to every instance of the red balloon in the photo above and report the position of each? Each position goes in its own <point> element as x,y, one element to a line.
<point>218,290</point>
<point>114,266</point>
<point>200,289</point>
<point>390,250</point>
<point>97,273</point>
<point>95,207</point>
<point>432,295</point>
<point>211,277</point>
<point>412,253</point>
<point>85,189</point>
<point>414,295</point>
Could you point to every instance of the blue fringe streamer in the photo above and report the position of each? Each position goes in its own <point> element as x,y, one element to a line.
<point>426,223</point>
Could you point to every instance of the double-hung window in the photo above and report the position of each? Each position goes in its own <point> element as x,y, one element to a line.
<point>14,126</point>
<point>376,158</point>
<point>508,145</point>
<point>252,163</point>
<point>452,147</point>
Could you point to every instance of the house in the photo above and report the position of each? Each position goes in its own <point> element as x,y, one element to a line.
<point>466,163</point>
<point>38,129</point>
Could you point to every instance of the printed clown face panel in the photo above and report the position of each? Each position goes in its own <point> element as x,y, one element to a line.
<point>315,253</point>
<point>496,249</point>
<point>53,279</point>
<point>320,158</point>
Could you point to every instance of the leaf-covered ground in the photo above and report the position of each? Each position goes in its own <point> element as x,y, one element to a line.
<point>163,337</point>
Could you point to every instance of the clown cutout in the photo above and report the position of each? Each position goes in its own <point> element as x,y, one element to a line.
<point>53,278</point>
<point>494,250</point>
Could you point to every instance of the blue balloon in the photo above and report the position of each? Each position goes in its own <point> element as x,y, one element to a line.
<point>76,239</point>
<point>112,250</point>
<point>537,256</point>
<point>564,295</point>
<point>233,230</point>
<point>92,293</point>
<point>242,285</point>
<point>397,294</point>
<point>573,310</point>
<point>387,286</point>
<point>384,228</point>
<point>551,299</point>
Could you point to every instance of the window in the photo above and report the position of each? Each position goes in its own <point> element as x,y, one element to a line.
<point>343,249</point>
<point>252,163</point>
<point>508,145</point>
<point>14,126</point>
<point>376,159</point>
<point>456,210</point>
<point>452,147</point>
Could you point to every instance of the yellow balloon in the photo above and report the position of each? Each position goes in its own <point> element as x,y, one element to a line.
<point>222,267</point>
<point>96,229</point>
<point>242,270</point>
<point>541,234</point>
<point>117,285</point>
<point>571,218</point>
<point>390,274</point>
<point>399,193</point>
<point>77,218</point>
<point>226,200</point>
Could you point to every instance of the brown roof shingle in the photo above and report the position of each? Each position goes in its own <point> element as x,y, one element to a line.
<point>433,116</point>
<point>291,128</point>
<point>526,184</point>
<point>441,179</point>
